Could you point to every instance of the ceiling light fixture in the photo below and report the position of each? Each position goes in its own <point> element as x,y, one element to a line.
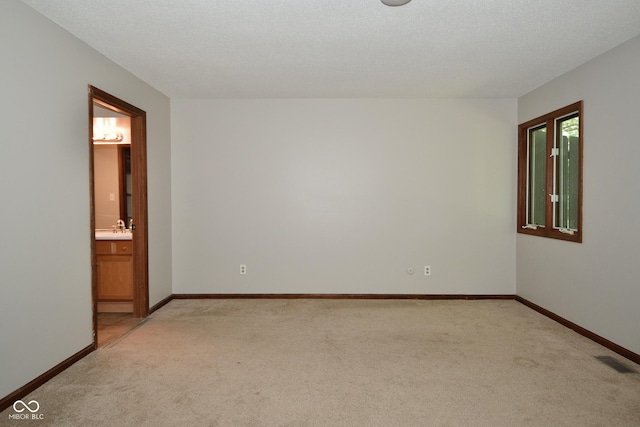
<point>395,2</point>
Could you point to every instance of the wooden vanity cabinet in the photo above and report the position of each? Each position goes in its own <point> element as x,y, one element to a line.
<point>115,270</point>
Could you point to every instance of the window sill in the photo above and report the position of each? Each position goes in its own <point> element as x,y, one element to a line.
<point>552,234</point>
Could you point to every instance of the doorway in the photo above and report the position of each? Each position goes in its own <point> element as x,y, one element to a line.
<point>121,258</point>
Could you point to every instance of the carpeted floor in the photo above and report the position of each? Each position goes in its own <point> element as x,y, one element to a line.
<point>343,363</point>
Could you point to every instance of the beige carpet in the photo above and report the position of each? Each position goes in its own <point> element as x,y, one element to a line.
<point>113,325</point>
<point>343,363</point>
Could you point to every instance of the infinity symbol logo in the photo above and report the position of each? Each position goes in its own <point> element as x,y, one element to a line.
<point>26,406</point>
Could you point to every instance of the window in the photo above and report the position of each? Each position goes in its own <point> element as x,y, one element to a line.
<point>550,175</point>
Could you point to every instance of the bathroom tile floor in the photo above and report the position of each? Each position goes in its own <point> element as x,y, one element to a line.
<point>114,325</point>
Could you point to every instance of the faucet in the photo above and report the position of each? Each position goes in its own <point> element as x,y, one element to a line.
<point>120,225</point>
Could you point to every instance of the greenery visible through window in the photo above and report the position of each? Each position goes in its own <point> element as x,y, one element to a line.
<point>550,175</point>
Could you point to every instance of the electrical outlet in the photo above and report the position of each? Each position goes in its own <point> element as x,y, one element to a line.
<point>427,270</point>
<point>243,269</point>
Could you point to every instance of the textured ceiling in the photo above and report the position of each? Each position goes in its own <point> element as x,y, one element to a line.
<point>346,48</point>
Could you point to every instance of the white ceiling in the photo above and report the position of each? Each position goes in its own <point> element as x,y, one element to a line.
<point>347,48</point>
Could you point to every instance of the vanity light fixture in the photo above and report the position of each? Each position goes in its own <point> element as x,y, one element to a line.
<point>395,2</point>
<point>104,131</point>
<point>112,138</point>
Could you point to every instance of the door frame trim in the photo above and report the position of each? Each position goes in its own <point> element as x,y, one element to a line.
<point>139,202</point>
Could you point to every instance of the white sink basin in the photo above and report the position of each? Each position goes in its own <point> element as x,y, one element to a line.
<point>110,235</point>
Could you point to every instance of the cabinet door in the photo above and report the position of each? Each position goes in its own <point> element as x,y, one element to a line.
<point>115,278</point>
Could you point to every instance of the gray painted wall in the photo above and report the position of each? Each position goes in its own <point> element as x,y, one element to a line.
<point>343,196</point>
<point>45,270</point>
<point>595,284</point>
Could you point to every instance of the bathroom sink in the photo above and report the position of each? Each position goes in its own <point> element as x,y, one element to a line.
<point>110,235</point>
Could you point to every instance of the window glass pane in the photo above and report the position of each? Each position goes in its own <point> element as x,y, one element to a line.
<point>567,167</point>
<point>537,176</point>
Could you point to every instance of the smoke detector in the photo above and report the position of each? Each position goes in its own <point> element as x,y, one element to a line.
<point>395,2</point>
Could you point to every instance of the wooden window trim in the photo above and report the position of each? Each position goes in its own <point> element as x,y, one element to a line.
<point>550,121</point>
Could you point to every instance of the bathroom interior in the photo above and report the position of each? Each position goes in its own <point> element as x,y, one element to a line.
<point>113,223</point>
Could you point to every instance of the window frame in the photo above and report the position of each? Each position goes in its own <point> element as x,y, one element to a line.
<point>550,121</point>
